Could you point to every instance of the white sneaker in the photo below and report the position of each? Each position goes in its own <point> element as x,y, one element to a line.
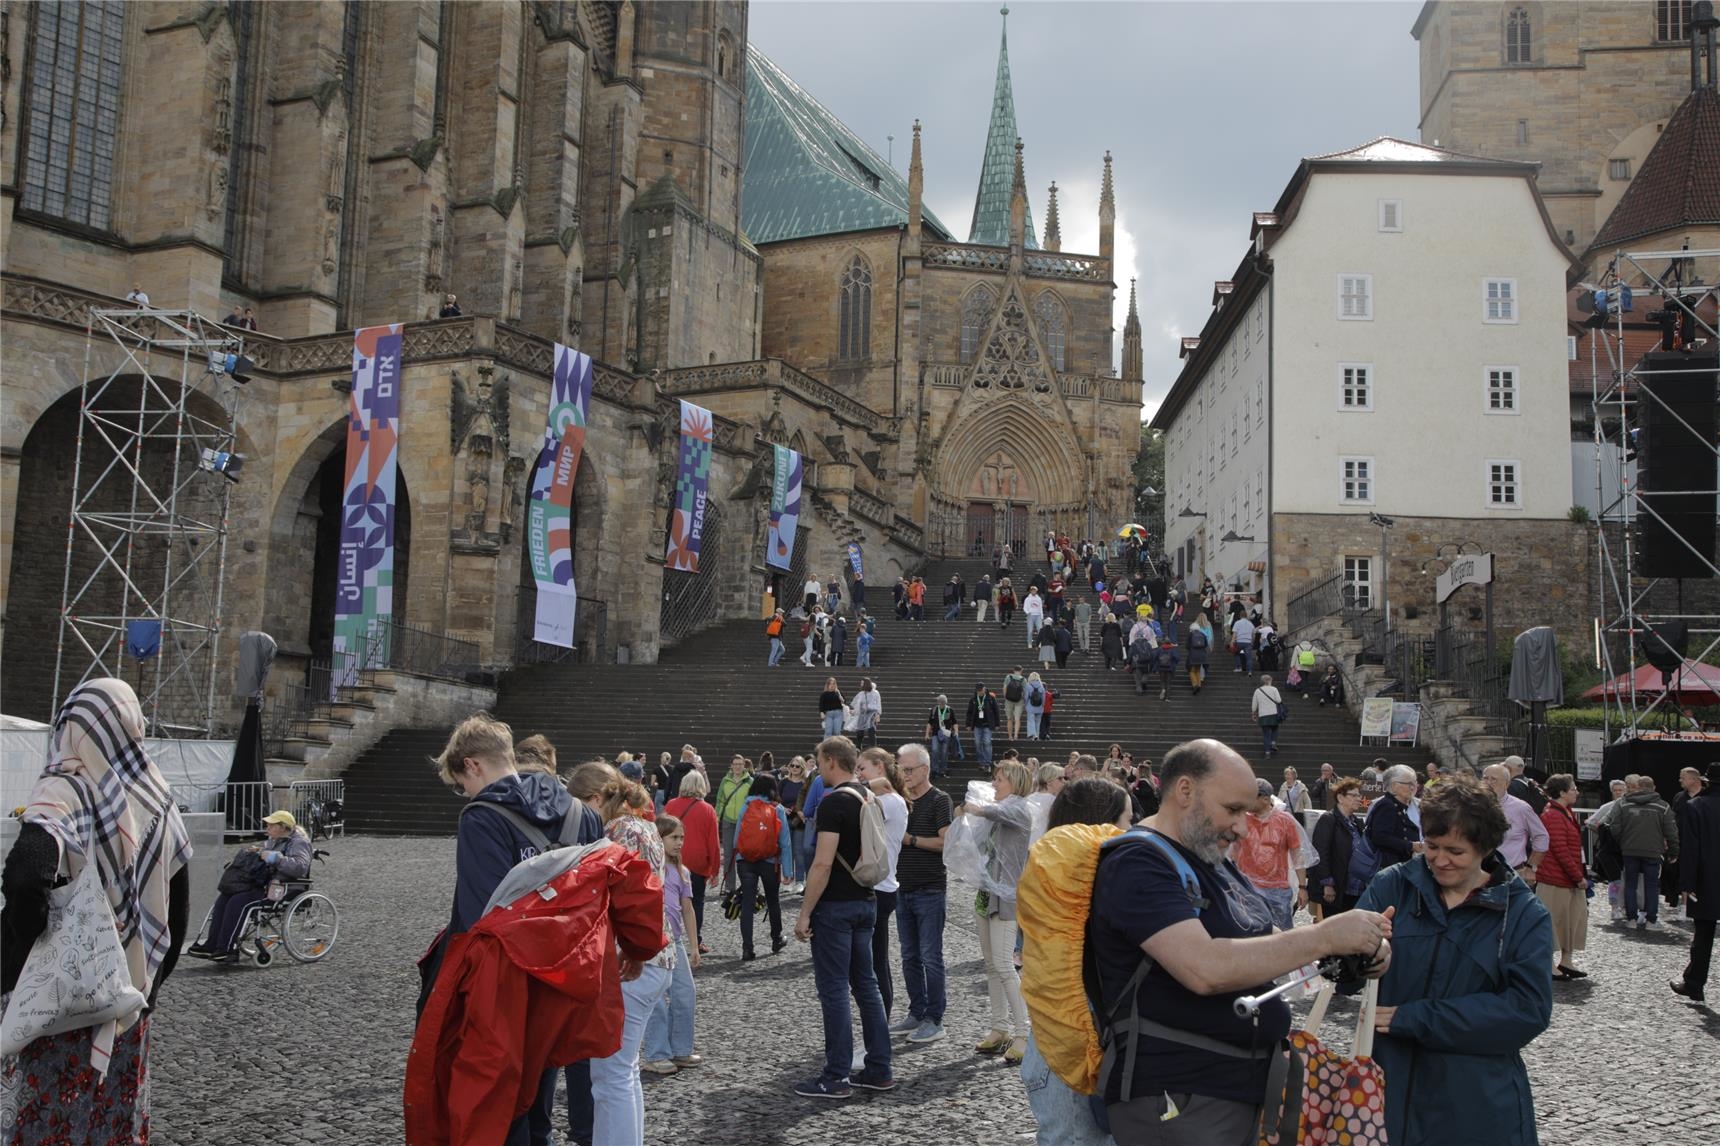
<point>660,1066</point>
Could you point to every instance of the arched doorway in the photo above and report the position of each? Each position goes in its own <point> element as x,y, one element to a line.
<point>591,616</point>
<point>998,501</point>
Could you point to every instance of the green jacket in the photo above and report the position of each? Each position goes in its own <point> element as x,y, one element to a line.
<point>732,792</point>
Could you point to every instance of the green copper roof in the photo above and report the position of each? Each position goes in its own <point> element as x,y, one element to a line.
<point>806,173</point>
<point>997,172</point>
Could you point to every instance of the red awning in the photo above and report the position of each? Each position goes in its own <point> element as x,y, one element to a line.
<point>1693,683</point>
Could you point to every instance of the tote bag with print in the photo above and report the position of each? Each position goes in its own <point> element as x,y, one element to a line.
<point>1329,1098</point>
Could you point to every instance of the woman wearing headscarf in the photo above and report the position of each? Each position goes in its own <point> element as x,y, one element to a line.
<point>100,799</point>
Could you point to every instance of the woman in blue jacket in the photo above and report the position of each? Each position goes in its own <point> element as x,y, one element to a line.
<point>1470,983</point>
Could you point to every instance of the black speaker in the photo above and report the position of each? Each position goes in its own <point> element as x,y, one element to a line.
<point>1666,644</point>
<point>1675,452</point>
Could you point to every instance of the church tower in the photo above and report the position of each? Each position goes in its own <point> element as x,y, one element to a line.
<point>997,170</point>
<point>1107,215</point>
<point>1132,341</point>
<point>1053,232</point>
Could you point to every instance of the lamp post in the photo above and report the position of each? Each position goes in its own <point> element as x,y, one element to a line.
<point>1190,511</point>
<point>1385,523</point>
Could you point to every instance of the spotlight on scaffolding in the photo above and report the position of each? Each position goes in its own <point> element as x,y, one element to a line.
<point>238,367</point>
<point>222,462</point>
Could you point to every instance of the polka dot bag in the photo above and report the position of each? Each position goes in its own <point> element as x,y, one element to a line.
<point>1330,1099</point>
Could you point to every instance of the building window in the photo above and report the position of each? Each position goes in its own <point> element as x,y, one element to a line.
<point>976,312</point>
<point>1671,20</point>
<point>1499,300</point>
<point>725,53</point>
<point>74,94</point>
<point>1503,490</point>
<point>1355,386</point>
<point>1570,348</point>
<point>1391,214</point>
<point>1357,480</point>
<point>1260,403</point>
<point>854,333</point>
<point>1053,328</point>
<point>1356,297</point>
<point>1359,582</point>
<point>1501,389</point>
<point>1522,133</point>
<point>1260,493</point>
<point>1517,44</point>
<point>1618,170</point>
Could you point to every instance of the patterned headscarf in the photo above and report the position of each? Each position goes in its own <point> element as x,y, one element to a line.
<point>102,796</point>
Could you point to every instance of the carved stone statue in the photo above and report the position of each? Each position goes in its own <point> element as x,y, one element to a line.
<point>217,189</point>
<point>513,473</point>
<point>478,496</point>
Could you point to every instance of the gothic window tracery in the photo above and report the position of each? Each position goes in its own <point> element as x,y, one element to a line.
<point>854,312</point>
<point>1517,38</point>
<point>1053,323</point>
<point>976,313</point>
<point>75,87</point>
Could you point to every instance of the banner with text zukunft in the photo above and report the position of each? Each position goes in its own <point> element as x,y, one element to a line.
<point>549,508</point>
<point>784,508</point>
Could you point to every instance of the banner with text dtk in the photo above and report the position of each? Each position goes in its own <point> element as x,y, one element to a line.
<point>364,593</point>
<point>692,489</point>
<point>549,507</point>
<point>784,508</point>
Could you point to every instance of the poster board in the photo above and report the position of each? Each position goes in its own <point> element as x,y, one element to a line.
<point>1406,722</point>
<point>1376,718</point>
<point>1591,752</point>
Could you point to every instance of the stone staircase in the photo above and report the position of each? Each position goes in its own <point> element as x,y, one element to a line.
<point>715,691</point>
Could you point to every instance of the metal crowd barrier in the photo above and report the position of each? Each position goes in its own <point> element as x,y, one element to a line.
<point>319,806</point>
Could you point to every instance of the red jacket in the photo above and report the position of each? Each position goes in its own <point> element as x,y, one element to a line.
<point>699,852</point>
<point>535,984</point>
<point>1562,866</point>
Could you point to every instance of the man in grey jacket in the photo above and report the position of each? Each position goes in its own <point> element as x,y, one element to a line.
<point>1647,834</point>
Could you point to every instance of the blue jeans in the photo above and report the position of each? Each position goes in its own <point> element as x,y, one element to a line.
<point>617,1098</point>
<point>669,1034</point>
<point>920,926</point>
<point>796,845</point>
<point>775,651</point>
<point>1245,659</point>
<point>1282,900</point>
<point>833,722</point>
<point>842,962</point>
<point>952,610</point>
<point>1032,724</point>
<point>1064,1115</point>
<point>982,745</point>
<point>863,658</point>
<point>1649,870</point>
<point>1269,734</point>
<point>940,755</point>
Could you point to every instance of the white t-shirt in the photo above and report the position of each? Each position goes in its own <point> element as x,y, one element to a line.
<point>895,829</point>
<point>813,589</point>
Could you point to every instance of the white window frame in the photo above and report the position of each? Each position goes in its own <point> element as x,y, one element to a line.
<point>1514,391</point>
<point>1395,209</point>
<point>1570,348</point>
<point>1345,385</point>
<point>1351,564</point>
<point>1367,297</point>
<point>1490,297</point>
<point>1515,485</point>
<point>1345,479</point>
<point>1618,170</point>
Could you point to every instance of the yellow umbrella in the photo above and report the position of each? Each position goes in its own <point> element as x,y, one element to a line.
<point>1132,530</point>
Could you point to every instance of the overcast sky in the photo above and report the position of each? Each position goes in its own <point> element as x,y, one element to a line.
<point>1206,108</point>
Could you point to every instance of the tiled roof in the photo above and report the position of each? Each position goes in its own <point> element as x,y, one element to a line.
<point>806,173</point>
<point>997,171</point>
<point>1679,182</point>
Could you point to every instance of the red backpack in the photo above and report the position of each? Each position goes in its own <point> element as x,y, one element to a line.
<point>759,832</point>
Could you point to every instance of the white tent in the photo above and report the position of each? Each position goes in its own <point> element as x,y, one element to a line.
<point>195,769</point>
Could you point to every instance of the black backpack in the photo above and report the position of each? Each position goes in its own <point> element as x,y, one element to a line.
<point>1197,639</point>
<point>1012,688</point>
<point>1037,696</point>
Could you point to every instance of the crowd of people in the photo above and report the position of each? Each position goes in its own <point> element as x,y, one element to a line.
<point>577,924</point>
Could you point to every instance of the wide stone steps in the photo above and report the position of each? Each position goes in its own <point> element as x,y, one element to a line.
<point>715,691</point>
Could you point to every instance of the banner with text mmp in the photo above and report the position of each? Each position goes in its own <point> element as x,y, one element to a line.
<point>364,594</point>
<point>784,508</point>
<point>692,489</point>
<point>549,506</point>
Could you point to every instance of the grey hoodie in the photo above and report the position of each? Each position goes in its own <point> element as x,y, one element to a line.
<point>1645,826</point>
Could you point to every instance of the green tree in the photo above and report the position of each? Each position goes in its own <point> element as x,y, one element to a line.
<point>1150,484</point>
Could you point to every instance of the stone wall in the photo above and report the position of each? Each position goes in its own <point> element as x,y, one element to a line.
<point>1543,570</point>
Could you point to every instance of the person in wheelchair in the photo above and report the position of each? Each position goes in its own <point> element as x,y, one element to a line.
<point>284,855</point>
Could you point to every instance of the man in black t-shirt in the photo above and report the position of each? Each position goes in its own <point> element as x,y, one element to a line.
<point>837,915</point>
<point>1210,942</point>
<point>920,898</point>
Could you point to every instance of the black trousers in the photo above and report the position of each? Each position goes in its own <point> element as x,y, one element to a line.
<point>756,876</point>
<point>1701,954</point>
<point>699,901</point>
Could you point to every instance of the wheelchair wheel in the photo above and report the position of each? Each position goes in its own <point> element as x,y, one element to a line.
<point>311,926</point>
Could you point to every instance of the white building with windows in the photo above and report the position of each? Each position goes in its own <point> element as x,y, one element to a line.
<point>1393,343</point>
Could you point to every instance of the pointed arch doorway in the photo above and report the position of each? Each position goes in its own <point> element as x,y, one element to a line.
<point>999,501</point>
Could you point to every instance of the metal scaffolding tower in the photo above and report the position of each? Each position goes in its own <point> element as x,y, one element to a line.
<point>1635,608</point>
<point>146,540</point>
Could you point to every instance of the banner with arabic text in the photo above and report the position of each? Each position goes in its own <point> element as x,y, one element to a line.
<point>365,590</point>
<point>549,506</point>
<point>784,508</point>
<point>692,489</point>
<point>854,560</point>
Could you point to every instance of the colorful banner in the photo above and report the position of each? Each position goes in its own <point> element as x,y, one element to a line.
<point>365,593</point>
<point>692,489</point>
<point>549,506</point>
<point>854,560</point>
<point>784,508</point>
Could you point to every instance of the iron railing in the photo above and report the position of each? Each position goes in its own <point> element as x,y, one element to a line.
<point>690,599</point>
<point>421,652</point>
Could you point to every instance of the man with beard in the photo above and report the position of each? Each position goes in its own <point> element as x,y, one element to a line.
<point>1208,938</point>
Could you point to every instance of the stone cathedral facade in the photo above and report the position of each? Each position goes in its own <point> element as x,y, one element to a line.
<point>581,172</point>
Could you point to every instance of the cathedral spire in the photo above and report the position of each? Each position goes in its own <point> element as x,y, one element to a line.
<point>1107,214</point>
<point>916,187</point>
<point>1017,203</point>
<point>996,174</point>
<point>1132,357</point>
<point>1053,232</point>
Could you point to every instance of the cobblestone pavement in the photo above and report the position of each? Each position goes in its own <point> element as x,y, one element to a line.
<point>316,1053</point>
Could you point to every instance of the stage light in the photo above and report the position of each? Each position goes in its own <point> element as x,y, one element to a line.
<point>222,462</point>
<point>238,367</point>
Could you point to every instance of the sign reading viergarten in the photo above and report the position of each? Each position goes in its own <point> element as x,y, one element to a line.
<point>1465,569</point>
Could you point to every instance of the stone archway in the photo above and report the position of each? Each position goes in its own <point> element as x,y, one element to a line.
<point>304,550</point>
<point>1034,467</point>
